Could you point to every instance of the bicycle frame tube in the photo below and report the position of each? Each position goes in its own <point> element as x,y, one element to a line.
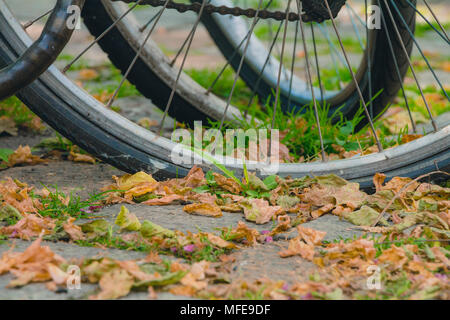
<point>38,57</point>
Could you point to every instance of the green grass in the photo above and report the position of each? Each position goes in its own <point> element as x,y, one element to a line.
<point>205,78</point>
<point>16,110</point>
<point>422,28</point>
<point>54,206</point>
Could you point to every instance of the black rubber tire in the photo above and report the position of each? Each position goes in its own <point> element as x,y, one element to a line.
<point>384,77</point>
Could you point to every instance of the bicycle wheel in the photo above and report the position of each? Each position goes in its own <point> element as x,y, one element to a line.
<point>78,116</point>
<point>260,66</point>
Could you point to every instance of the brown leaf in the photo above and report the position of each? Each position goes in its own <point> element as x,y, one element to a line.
<point>30,226</point>
<point>242,231</point>
<point>203,209</point>
<point>227,184</point>
<point>8,125</point>
<point>219,242</point>
<point>78,157</point>
<point>164,200</point>
<point>87,74</point>
<point>321,211</point>
<point>311,236</point>
<point>36,264</point>
<point>378,180</point>
<point>298,247</point>
<point>114,284</point>
<point>22,155</point>
<point>259,210</point>
<point>73,230</point>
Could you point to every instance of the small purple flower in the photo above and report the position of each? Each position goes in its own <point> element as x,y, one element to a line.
<point>189,248</point>
<point>441,276</point>
<point>91,209</point>
<point>285,287</point>
<point>13,234</point>
<point>269,239</point>
<point>174,249</point>
<point>265,232</point>
<point>308,296</point>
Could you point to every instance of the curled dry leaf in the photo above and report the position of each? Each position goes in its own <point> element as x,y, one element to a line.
<point>8,125</point>
<point>36,264</point>
<point>243,232</point>
<point>73,230</point>
<point>311,236</point>
<point>203,209</point>
<point>79,157</point>
<point>30,226</point>
<point>22,155</point>
<point>16,194</point>
<point>219,242</point>
<point>164,200</point>
<point>298,247</point>
<point>204,198</point>
<point>114,284</point>
<point>259,210</point>
<point>195,178</point>
<point>303,245</point>
<point>128,181</point>
<point>227,184</point>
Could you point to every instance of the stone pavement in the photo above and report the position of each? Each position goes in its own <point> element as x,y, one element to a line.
<point>84,179</point>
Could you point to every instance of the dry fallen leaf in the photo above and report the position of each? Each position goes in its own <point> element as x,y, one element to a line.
<point>114,284</point>
<point>36,264</point>
<point>203,209</point>
<point>30,226</point>
<point>22,155</point>
<point>87,74</point>
<point>8,125</point>
<point>164,200</point>
<point>79,157</point>
<point>73,230</point>
<point>259,210</point>
<point>298,247</point>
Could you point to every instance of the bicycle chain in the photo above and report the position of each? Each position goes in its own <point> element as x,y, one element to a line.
<point>237,11</point>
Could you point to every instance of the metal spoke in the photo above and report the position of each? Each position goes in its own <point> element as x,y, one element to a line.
<point>316,57</point>
<point>136,57</point>
<point>420,50</point>
<point>355,28</point>
<point>369,64</point>
<point>172,63</point>
<point>104,33</point>
<point>31,22</point>
<point>399,37</point>
<point>333,52</point>
<point>308,72</point>
<point>427,21</point>
<point>380,147</point>
<point>235,52</point>
<point>280,70</point>
<point>435,18</point>
<point>149,22</point>
<point>356,14</point>
<point>397,69</point>
<point>175,85</point>
<point>294,54</point>
<point>238,71</point>
<point>266,62</point>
